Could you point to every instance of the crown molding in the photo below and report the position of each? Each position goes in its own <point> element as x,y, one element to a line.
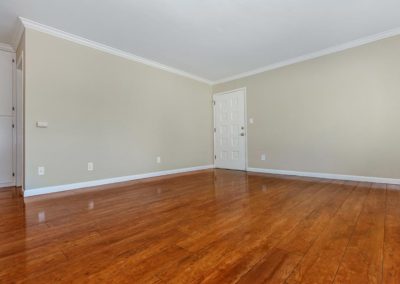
<point>313,55</point>
<point>26,23</point>
<point>18,32</point>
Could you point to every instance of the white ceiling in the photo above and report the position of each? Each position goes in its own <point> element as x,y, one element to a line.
<point>212,39</point>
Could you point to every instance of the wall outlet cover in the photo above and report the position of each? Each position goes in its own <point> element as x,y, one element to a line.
<point>41,171</point>
<point>90,166</point>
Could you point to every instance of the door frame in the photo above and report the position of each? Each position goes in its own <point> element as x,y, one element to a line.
<point>20,127</point>
<point>14,118</point>
<point>244,89</point>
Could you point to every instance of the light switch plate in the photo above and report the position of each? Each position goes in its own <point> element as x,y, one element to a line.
<point>90,166</point>
<point>41,171</point>
<point>42,124</point>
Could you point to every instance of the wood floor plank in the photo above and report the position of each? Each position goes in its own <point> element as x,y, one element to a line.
<point>212,226</point>
<point>293,247</point>
<point>362,261</point>
<point>322,260</point>
<point>391,258</point>
<point>232,267</point>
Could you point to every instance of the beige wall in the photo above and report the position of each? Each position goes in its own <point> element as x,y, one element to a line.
<point>108,110</point>
<point>335,114</point>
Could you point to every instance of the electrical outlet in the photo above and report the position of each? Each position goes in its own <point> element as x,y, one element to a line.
<point>90,166</point>
<point>158,160</point>
<point>41,171</point>
<point>263,157</point>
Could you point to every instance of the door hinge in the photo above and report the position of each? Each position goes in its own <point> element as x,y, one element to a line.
<point>13,108</point>
<point>213,102</point>
<point>13,126</point>
<point>215,157</point>
<point>13,60</point>
<point>13,174</point>
<point>215,129</point>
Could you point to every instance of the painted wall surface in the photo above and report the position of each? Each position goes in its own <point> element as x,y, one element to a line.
<point>336,114</point>
<point>108,110</point>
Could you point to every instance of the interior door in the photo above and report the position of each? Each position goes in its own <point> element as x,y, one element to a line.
<point>230,130</point>
<point>6,119</point>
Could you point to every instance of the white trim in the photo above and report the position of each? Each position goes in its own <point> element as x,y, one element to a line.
<point>7,184</point>
<point>244,89</point>
<point>327,51</point>
<point>246,128</point>
<point>326,176</point>
<point>18,32</point>
<point>6,47</point>
<point>20,164</point>
<point>108,49</point>
<point>65,187</point>
<point>14,118</point>
<point>83,41</point>
<point>230,91</point>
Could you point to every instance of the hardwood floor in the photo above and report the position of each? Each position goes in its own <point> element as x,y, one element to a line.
<point>213,226</point>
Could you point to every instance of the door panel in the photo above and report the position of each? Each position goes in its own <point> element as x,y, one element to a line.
<point>6,146</point>
<point>229,134</point>
<point>6,118</point>
<point>6,83</point>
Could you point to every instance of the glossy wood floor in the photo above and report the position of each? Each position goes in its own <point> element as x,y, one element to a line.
<point>209,227</point>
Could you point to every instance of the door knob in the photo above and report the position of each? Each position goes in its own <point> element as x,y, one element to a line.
<point>241,134</point>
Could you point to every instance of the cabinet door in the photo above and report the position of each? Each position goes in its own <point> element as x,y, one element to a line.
<point>6,151</point>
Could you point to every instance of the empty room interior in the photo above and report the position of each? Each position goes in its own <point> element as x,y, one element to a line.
<point>225,141</point>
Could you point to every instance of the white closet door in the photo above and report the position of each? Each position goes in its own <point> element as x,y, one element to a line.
<point>6,83</point>
<point>6,151</point>
<point>6,119</point>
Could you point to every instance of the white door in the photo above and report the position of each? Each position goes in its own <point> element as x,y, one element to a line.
<point>6,119</point>
<point>230,130</point>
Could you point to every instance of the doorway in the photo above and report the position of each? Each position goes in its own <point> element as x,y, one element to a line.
<point>230,130</point>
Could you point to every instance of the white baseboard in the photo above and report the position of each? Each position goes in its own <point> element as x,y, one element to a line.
<point>65,187</point>
<point>7,184</point>
<point>326,176</point>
